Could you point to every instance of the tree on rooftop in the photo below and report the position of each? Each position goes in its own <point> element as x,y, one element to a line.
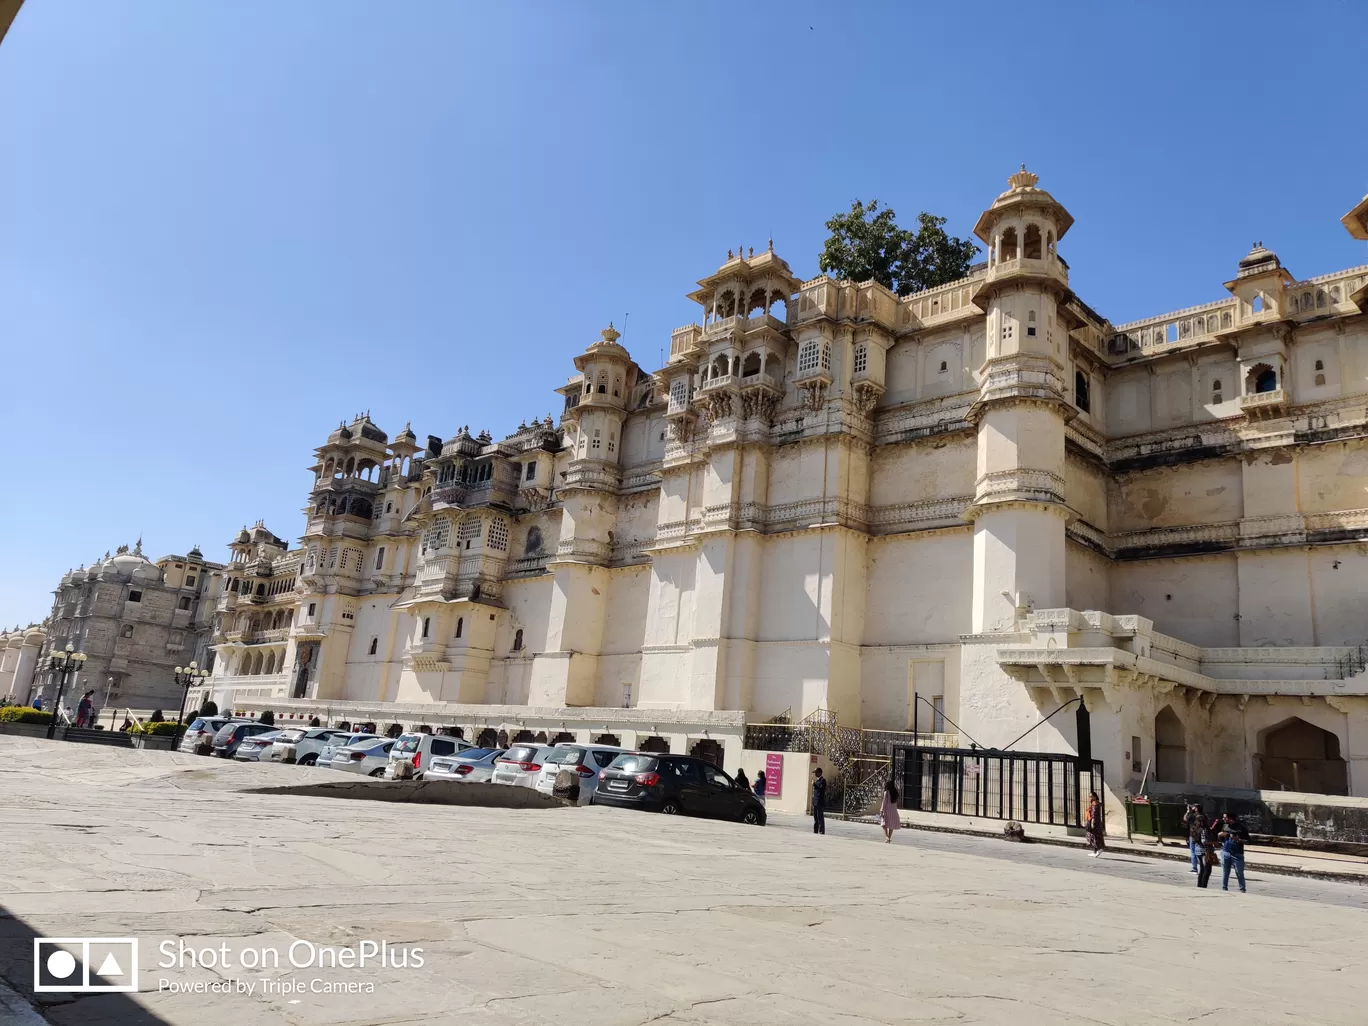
<point>867,244</point>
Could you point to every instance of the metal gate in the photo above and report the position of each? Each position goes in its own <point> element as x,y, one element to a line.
<point>1025,786</point>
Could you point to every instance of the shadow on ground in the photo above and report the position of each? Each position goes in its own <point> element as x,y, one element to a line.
<point>17,973</point>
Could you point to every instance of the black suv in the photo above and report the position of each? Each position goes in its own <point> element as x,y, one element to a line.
<point>234,732</point>
<point>675,784</point>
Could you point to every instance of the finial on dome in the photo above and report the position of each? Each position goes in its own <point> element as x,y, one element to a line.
<point>1023,179</point>
<point>610,333</point>
<point>770,248</point>
<point>729,254</point>
<point>750,253</point>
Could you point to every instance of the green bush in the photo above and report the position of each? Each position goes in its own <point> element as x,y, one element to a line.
<point>267,717</point>
<point>24,714</point>
<point>156,728</point>
<point>209,708</point>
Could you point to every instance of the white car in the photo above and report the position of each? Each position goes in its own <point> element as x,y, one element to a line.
<point>588,761</point>
<point>473,766</point>
<point>520,765</point>
<point>201,732</point>
<point>332,747</point>
<point>254,748</point>
<point>304,745</point>
<point>418,749</point>
<point>368,758</point>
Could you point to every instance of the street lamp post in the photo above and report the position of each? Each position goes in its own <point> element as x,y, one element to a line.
<point>187,677</point>
<point>64,664</point>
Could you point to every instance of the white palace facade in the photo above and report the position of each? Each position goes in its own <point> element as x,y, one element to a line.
<point>833,498</point>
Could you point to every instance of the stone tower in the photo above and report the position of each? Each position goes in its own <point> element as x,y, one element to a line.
<point>566,673</point>
<point>1019,510</point>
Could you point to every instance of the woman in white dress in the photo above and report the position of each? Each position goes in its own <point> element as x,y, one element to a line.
<point>889,818</point>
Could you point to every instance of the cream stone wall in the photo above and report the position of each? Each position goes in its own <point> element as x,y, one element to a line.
<point>834,498</point>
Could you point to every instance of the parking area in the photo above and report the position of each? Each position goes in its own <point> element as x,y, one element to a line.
<point>607,917</point>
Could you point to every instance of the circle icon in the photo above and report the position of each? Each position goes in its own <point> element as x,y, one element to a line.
<point>61,964</point>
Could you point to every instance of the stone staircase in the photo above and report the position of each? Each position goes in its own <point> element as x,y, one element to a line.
<point>114,738</point>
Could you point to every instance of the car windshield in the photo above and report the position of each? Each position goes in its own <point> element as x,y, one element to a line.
<point>521,753</point>
<point>634,763</point>
<point>566,756</point>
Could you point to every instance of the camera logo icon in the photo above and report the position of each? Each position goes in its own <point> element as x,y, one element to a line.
<point>85,965</point>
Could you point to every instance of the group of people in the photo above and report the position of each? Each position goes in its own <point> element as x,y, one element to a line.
<point>85,709</point>
<point>1225,832</point>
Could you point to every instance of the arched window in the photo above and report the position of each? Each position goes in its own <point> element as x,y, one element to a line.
<point>1257,304</point>
<point>1320,297</point>
<point>1009,244</point>
<point>460,625</point>
<point>944,367</point>
<point>517,640</point>
<point>1263,379</point>
<point>1030,323</point>
<point>1030,248</point>
<point>533,545</point>
<point>427,623</point>
<point>1216,395</point>
<point>374,643</point>
<point>1320,373</point>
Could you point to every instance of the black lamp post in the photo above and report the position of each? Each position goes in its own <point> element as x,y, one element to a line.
<point>64,664</point>
<point>187,677</point>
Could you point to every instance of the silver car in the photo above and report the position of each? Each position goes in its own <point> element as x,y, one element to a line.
<point>254,749</point>
<point>339,741</point>
<point>368,758</point>
<point>473,766</point>
<point>587,762</point>
<point>520,765</point>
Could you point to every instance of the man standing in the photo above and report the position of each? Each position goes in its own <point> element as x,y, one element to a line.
<point>1193,820</point>
<point>819,785</point>
<point>1232,837</point>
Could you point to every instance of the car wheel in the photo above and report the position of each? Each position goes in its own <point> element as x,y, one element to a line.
<point>309,760</point>
<point>751,817</point>
<point>378,772</point>
<point>671,807</point>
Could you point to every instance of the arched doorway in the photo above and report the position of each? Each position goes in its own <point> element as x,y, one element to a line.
<point>611,740</point>
<point>1299,756</point>
<point>709,751</point>
<point>655,744</point>
<point>563,738</point>
<point>1170,747</point>
<point>488,738</point>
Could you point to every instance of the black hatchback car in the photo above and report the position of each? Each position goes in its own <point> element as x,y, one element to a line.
<point>675,784</point>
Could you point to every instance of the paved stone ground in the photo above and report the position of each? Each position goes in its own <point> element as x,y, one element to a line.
<point>608,918</point>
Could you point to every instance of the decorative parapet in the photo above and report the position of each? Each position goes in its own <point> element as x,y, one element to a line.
<point>1264,404</point>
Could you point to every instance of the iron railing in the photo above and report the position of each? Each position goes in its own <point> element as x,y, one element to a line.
<point>1352,663</point>
<point>1028,787</point>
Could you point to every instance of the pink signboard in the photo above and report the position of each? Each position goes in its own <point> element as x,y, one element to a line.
<point>774,774</point>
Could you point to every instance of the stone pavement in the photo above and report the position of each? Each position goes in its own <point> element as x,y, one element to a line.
<point>611,918</point>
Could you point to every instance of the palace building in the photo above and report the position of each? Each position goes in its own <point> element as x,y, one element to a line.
<point>974,507</point>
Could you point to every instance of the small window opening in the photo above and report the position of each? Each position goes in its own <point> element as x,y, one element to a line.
<point>374,643</point>
<point>1081,397</point>
<point>460,625</point>
<point>518,640</point>
<point>427,622</point>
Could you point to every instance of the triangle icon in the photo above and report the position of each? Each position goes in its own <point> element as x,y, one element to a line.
<point>109,967</point>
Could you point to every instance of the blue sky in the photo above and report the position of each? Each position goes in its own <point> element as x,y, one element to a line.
<point>226,226</point>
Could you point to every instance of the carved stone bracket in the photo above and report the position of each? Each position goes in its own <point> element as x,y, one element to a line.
<point>867,396</point>
<point>813,394</point>
<point>758,404</point>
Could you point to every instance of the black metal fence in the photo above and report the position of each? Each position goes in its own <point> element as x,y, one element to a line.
<point>1025,786</point>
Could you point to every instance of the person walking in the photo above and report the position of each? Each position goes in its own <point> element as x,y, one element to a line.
<point>38,702</point>
<point>1194,821</point>
<point>1094,825</point>
<point>1206,847</point>
<point>889,817</point>
<point>759,789</point>
<point>1232,836</point>
<point>83,710</point>
<point>819,786</point>
<point>741,779</point>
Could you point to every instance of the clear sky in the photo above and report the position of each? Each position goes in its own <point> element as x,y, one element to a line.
<point>226,226</point>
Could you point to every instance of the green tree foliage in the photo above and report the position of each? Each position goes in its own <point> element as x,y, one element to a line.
<point>867,244</point>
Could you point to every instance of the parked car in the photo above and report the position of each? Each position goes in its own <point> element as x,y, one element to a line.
<point>520,765</point>
<point>234,732</point>
<point>473,766</point>
<point>254,749</point>
<point>302,745</point>
<point>201,732</point>
<point>418,749</point>
<point>340,741</point>
<point>588,761</point>
<point>675,784</point>
<point>366,757</point>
